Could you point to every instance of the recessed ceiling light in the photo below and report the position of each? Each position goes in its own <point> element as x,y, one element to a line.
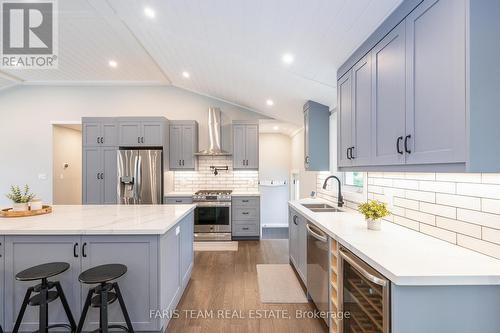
<point>113,64</point>
<point>270,102</point>
<point>287,58</point>
<point>186,75</point>
<point>276,128</point>
<point>149,12</point>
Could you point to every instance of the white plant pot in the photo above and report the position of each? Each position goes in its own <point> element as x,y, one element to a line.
<point>374,224</point>
<point>20,207</point>
<point>36,205</point>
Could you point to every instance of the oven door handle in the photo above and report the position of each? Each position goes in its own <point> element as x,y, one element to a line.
<point>353,263</point>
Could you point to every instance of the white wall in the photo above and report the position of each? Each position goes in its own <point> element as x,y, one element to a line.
<point>67,182</point>
<point>307,179</point>
<point>26,113</point>
<point>274,165</point>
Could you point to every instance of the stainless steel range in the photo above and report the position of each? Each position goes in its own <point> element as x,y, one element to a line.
<point>212,218</point>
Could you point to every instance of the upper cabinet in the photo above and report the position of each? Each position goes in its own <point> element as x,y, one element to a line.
<point>137,132</point>
<point>245,146</point>
<point>416,96</point>
<point>316,137</point>
<point>99,132</point>
<point>183,144</point>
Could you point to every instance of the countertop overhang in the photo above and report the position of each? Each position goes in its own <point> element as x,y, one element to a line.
<point>404,256</point>
<point>99,220</point>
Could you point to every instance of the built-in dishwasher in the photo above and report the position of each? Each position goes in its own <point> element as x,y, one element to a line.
<point>364,294</point>
<point>318,268</point>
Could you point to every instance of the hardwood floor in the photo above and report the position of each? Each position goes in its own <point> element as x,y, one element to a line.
<point>228,281</point>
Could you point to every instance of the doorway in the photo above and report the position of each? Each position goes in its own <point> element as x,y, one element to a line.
<point>67,164</point>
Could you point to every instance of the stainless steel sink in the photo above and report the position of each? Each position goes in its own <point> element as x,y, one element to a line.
<point>321,208</point>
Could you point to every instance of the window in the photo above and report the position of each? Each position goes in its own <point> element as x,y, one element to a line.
<point>355,179</point>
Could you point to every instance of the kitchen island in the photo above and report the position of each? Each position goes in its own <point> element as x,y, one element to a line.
<point>155,242</point>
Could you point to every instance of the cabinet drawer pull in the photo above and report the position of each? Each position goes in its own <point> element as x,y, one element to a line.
<point>398,147</point>
<point>408,151</point>
<point>75,250</point>
<point>244,200</point>
<point>84,254</point>
<point>178,200</point>
<point>245,228</point>
<point>245,213</point>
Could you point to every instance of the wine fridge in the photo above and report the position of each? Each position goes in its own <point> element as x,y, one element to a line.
<point>364,296</point>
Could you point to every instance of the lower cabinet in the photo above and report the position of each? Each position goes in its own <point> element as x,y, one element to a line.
<point>159,269</point>
<point>297,243</point>
<point>22,252</point>
<point>245,217</point>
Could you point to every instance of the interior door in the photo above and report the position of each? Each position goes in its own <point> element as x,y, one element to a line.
<point>252,146</point>
<point>344,119</point>
<point>239,146</point>
<point>92,193</point>
<point>175,144</point>
<point>188,137</point>
<point>388,109</point>
<point>436,88</point>
<point>362,104</point>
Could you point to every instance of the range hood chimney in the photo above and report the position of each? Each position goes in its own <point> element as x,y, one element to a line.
<point>214,135</point>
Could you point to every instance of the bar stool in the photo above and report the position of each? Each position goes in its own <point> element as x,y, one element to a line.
<point>103,294</point>
<point>44,295</point>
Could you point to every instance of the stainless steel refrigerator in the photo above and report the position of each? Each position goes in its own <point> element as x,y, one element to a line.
<point>140,176</point>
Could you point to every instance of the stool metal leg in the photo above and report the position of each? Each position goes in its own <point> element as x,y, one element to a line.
<point>44,313</point>
<point>103,317</point>
<point>123,307</point>
<point>84,312</point>
<point>65,304</point>
<point>22,310</point>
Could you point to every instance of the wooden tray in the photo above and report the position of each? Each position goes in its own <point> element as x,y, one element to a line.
<point>9,213</point>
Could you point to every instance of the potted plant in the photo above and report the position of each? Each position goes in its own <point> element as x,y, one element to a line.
<point>20,199</point>
<point>374,211</point>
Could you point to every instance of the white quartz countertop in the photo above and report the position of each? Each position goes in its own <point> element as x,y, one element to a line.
<point>404,256</point>
<point>99,220</point>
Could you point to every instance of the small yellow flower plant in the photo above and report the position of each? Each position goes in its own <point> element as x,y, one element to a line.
<point>374,210</point>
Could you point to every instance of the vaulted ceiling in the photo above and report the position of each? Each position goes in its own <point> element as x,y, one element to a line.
<point>232,49</point>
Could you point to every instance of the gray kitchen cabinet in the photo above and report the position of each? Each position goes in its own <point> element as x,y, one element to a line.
<point>141,131</point>
<point>245,146</point>
<point>183,145</point>
<point>298,243</point>
<point>99,131</point>
<point>186,250</point>
<point>389,98</point>
<point>344,119</point>
<point>433,90</point>
<point>169,266</point>
<point>2,278</point>
<point>245,217</point>
<point>99,175</point>
<point>138,285</point>
<point>436,83</point>
<point>360,152</point>
<point>316,137</point>
<point>22,252</point>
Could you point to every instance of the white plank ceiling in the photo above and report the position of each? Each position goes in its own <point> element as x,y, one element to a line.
<point>231,48</point>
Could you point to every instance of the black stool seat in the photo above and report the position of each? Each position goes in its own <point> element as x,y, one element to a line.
<point>37,299</point>
<point>43,271</point>
<point>103,273</point>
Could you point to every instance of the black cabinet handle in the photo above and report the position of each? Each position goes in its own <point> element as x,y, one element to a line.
<point>178,200</point>
<point>295,220</point>
<point>182,162</point>
<point>102,175</point>
<point>398,147</point>
<point>102,139</point>
<point>244,200</point>
<point>75,251</point>
<point>98,174</point>
<point>352,155</point>
<point>97,139</point>
<point>245,228</point>
<point>245,213</point>
<point>406,144</point>
<point>138,139</point>
<point>84,246</point>
<point>142,139</point>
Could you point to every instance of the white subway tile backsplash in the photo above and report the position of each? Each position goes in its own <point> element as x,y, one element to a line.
<point>439,233</point>
<point>457,208</point>
<point>484,219</point>
<point>465,228</point>
<point>458,201</point>
<point>440,210</point>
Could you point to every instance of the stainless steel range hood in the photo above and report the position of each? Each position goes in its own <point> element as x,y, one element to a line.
<point>214,135</point>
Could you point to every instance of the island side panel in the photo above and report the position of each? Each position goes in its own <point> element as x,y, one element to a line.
<point>445,309</point>
<point>139,286</point>
<point>175,266</point>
